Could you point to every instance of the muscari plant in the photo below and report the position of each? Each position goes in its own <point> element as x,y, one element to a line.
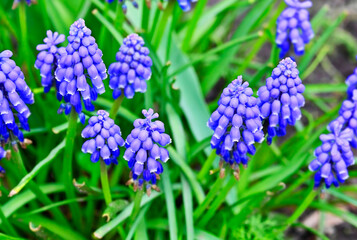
<point>294,27</point>
<point>47,59</point>
<point>245,116</point>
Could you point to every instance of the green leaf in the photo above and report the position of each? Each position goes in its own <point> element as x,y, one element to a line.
<point>137,221</point>
<point>170,203</point>
<point>58,229</point>
<point>344,197</point>
<point>203,235</point>
<point>103,230</point>
<point>316,46</point>
<point>191,178</point>
<point>37,169</point>
<point>113,208</point>
<point>27,196</point>
<point>347,216</point>
<point>7,237</point>
<point>246,25</point>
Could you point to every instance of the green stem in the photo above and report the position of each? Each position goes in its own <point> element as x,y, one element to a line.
<point>119,19</point>
<point>25,50</point>
<point>105,182</point>
<point>7,227</point>
<point>43,198</point>
<point>209,198</point>
<point>136,208</point>
<point>67,166</point>
<point>193,23</point>
<point>207,166</point>
<point>115,107</point>
<point>160,30</point>
<point>145,17</point>
<point>217,202</point>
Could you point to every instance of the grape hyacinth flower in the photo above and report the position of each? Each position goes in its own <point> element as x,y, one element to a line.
<point>281,98</point>
<point>145,146</point>
<point>348,116</point>
<point>48,57</point>
<point>17,2</point>
<point>14,97</point>
<point>185,5</point>
<point>237,125</point>
<point>294,27</point>
<point>333,156</point>
<point>351,82</point>
<point>81,59</point>
<point>123,5</point>
<point>105,138</point>
<point>3,154</point>
<point>132,69</point>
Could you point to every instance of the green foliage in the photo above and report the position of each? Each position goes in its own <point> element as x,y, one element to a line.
<point>194,56</point>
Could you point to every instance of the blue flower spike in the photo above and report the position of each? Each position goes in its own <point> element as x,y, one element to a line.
<point>294,27</point>
<point>81,60</point>
<point>333,156</point>
<point>123,4</point>
<point>132,68</point>
<point>237,126</point>
<point>185,5</point>
<point>281,98</point>
<point>145,151</point>
<point>14,97</point>
<point>17,2</point>
<point>105,138</point>
<point>4,154</point>
<point>48,57</point>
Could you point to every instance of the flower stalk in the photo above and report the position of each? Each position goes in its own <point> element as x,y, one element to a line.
<point>105,183</point>
<point>67,165</point>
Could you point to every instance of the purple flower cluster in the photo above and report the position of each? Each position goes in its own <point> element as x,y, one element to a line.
<point>294,27</point>
<point>17,2</point>
<point>81,59</point>
<point>281,98</point>
<point>333,156</point>
<point>123,5</point>
<point>14,95</point>
<point>144,147</point>
<point>132,69</point>
<point>185,5</point>
<point>236,124</point>
<point>2,155</point>
<point>48,57</point>
<point>351,82</point>
<point>105,138</point>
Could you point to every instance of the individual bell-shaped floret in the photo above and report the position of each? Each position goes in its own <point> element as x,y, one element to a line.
<point>105,138</point>
<point>333,156</point>
<point>185,5</point>
<point>3,154</point>
<point>123,4</point>
<point>294,27</point>
<point>14,97</point>
<point>236,124</point>
<point>48,57</point>
<point>281,98</point>
<point>145,151</point>
<point>81,60</point>
<point>132,68</point>
<point>348,116</point>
